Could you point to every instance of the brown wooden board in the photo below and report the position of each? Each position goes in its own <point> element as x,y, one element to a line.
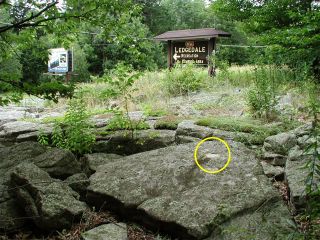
<point>190,52</point>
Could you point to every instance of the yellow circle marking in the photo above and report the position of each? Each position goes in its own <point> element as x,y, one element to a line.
<point>196,156</point>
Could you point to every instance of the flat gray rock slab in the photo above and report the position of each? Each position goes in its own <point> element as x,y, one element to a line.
<point>189,128</point>
<point>166,186</point>
<point>11,130</point>
<point>107,232</point>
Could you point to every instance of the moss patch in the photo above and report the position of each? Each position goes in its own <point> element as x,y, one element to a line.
<point>245,125</point>
<point>170,123</point>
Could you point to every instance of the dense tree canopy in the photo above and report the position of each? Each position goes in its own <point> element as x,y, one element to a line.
<point>289,27</point>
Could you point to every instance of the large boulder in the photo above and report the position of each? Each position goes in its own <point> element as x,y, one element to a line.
<point>111,231</point>
<point>13,129</point>
<point>123,143</point>
<point>296,174</point>
<point>54,161</point>
<point>165,189</point>
<point>33,136</point>
<point>16,154</point>
<point>50,203</point>
<point>59,163</point>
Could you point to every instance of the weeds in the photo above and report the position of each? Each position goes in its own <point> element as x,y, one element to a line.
<point>261,97</point>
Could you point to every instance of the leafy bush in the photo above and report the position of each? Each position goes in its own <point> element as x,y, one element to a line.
<point>261,97</point>
<point>183,79</point>
<point>75,131</point>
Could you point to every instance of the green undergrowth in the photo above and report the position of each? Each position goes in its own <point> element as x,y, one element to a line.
<point>58,119</point>
<point>122,123</point>
<point>151,111</point>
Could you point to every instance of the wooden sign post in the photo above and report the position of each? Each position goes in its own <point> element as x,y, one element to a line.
<point>192,46</point>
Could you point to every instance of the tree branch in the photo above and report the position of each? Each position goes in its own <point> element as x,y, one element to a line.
<point>24,21</point>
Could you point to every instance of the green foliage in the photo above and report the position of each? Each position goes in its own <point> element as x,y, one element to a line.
<point>81,65</point>
<point>29,28</point>
<point>43,138</point>
<point>79,137</point>
<point>290,27</point>
<point>183,79</point>
<point>75,132</point>
<point>133,46</point>
<point>120,82</point>
<point>122,122</point>
<point>261,97</point>
<point>150,110</point>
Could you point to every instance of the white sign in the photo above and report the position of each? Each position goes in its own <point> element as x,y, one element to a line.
<point>58,60</point>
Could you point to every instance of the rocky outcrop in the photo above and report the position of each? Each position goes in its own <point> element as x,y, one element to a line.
<point>16,154</point>
<point>164,189</point>
<point>189,128</point>
<point>112,231</point>
<point>296,174</point>
<point>276,148</point>
<point>291,151</point>
<point>50,203</point>
<point>52,160</point>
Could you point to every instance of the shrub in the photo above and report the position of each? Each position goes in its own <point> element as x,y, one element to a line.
<point>184,79</point>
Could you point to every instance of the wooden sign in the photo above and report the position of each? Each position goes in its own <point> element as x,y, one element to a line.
<point>190,52</point>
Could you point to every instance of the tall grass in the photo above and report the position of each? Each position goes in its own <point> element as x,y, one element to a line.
<point>243,76</point>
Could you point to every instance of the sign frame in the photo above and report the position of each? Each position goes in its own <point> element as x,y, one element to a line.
<point>60,61</point>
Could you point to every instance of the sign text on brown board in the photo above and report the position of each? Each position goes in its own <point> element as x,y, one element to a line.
<point>190,52</point>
